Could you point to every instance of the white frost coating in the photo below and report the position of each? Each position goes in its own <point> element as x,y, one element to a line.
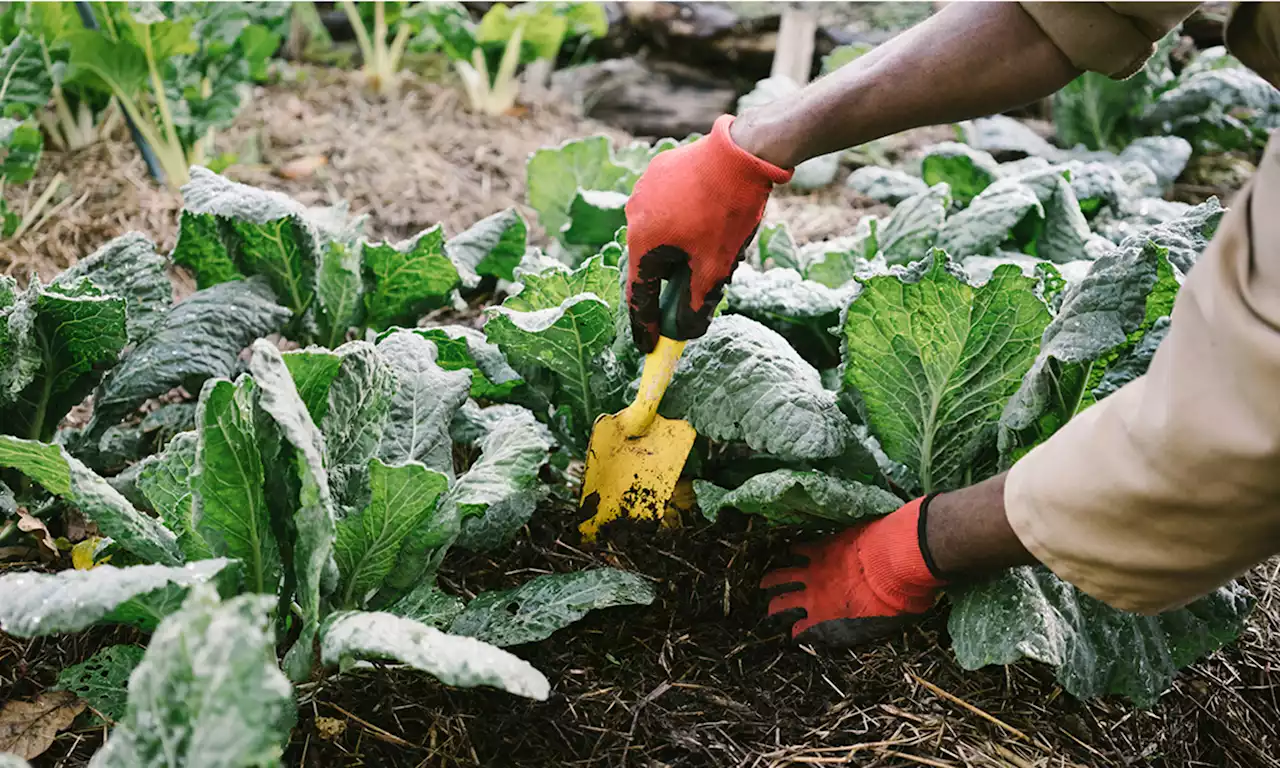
<point>538,320</point>
<point>207,192</point>
<point>462,662</point>
<point>785,293</point>
<point>36,604</point>
<point>601,198</point>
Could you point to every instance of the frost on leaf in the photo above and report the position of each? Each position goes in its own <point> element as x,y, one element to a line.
<point>462,662</point>
<point>498,494</point>
<point>492,247</point>
<point>128,267</point>
<point>207,692</point>
<point>555,175</point>
<point>791,497</point>
<point>911,231</point>
<point>933,361</point>
<point>425,398</point>
<point>541,606</point>
<point>38,604</point>
<point>804,311</point>
<point>459,347</point>
<point>1028,613</point>
<point>885,185</point>
<point>742,382</point>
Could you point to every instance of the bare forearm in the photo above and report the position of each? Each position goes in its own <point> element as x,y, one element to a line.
<point>969,60</point>
<point>968,533</point>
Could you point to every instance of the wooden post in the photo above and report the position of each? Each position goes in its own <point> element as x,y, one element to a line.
<point>793,57</point>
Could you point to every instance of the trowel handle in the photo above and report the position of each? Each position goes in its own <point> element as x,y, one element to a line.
<point>659,364</point>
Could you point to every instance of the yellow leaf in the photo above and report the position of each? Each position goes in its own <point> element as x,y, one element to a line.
<point>82,554</point>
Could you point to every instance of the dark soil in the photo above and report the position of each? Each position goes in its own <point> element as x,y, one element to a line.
<point>697,679</point>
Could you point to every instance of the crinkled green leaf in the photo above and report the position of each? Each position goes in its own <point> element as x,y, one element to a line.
<point>297,477</point>
<point>934,361</point>
<point>803,311</point>
<point>428,604</point>
<point>471,423</point>
<point>38,604</point>
<point>339,292</point>
<point>492,246</point>
<point>230,229</point>
<point>1219,110</point>
<point>165,482</point>
<point>743,382</point>
<point>462,662</point>
<point>21,145</point>
<point>406,279</point>
<point>910,232</point>
<point>26,84</point>
<point>128,267</point>
<point>313,370</point>
<point>207,692</point>
<point>1028,613</point>
<point>496,496</point>
<point>791,497</point>
<point>965,170</point>
<point>369,540</point>
<point>1107,313</point>
<point>556,174</point>
<point>459,347</point>
<point>422,406</point>
<point>777,247</point>
<point>1004,135</point>
<point>64,476</point>
<point>360,397</point>
<point>836,262</point>
<point>229,507</point>
<point>1166,156</point>
<point>541,606</point>
<point>200,338</point>
<point>562,323</point>
<point>101,680</point>
<point>57,342</point>
<point>991,219</point>
<point>885,185</point>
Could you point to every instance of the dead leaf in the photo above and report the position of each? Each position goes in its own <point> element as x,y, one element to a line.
<point>302,167</point>
<point>18,553</point>
<point>330,728</point>
<point>32,524</point>
<point>28,728</point>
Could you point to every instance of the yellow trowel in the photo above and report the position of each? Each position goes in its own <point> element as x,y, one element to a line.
<point>635,456</point>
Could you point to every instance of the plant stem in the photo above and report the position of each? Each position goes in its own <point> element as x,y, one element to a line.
<point>397,49</point>
<point>166,118</point>
<point>380,43</point>
<point>362,35</point>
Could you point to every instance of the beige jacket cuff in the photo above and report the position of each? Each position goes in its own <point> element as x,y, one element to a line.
<point>1115,39</point>
<point>1170,487</point>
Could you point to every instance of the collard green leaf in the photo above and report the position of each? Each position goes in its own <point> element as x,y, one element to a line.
<point>492,246</point>
<point>38,604</point>
<point>22,145</point>
<point>1028,613</point>
<point>406,279</point>
<point>64,476</point>
<point>1103,317</point>
<point>562,323</point>
<point>57,341</point>
<point>369,541</point>
<point>743,382</point>
<point>539,607</point>
<point>910,232</point>
<point>836,262</point>
<point>1166,156</point>
<point>359,402</point>
<point>229,507</point>
<point>428,604</point>
<point>230,229</point>
<point>1102,113</point>
<point>339,292</point>
<point>792,497</point>
<point>777,247</point>
<point>313,370</point>
<point>802,310</point>
<point>422,407</point>
<point>965,170</point>
<point>165,482</point>
<point>991,219</point>
<point>471,423</point>
<point>594,217</point>
<point>459,347</point>
<point>101,680</point>
<point>934,361</point>
<point>28,83</point>
<point>200,338</point>
<point>497,494</point>
<point>127,267</point>
<point>207,692</point>
<point>885,185</point>
<point>296,475</point>
<point>1003,135</point>
<point>1218,110</point>
<point>462,662</point>
<point>556,175</point>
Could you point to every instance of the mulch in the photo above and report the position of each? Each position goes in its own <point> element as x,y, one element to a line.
<point>697,678</point>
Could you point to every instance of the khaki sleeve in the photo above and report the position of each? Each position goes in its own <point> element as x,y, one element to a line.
<point>1170,487</point>
<point>1115,39</point>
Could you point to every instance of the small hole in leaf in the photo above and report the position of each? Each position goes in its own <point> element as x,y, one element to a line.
<point>512,607</point>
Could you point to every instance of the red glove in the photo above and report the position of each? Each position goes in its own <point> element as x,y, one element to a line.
<point>697,205</point>
<point>862,583</point>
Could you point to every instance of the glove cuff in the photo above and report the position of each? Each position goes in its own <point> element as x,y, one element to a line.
<point>742,164</point>
<point>896,565</point>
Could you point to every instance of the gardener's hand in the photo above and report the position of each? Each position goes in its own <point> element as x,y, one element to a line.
<point>860,584</point>
<point>699,204</point>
